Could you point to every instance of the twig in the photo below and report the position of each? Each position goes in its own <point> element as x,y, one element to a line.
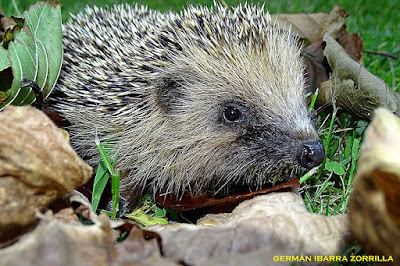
<point>36,89</point>
<point>381,53</point>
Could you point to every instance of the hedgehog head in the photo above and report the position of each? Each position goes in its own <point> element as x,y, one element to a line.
<point>232,94</point>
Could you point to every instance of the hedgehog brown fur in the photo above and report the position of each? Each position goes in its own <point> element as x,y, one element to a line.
<point>201,100</point>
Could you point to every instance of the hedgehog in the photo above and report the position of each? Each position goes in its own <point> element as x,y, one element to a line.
<point>205,100</point>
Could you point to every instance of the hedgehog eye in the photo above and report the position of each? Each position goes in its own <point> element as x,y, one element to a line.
<point>231,113</point>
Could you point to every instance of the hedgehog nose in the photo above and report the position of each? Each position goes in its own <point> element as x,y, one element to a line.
<point>311,153</point>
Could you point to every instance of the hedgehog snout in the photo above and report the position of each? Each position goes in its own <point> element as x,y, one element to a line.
<point>311,153</point>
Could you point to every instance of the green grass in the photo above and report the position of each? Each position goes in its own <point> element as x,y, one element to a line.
<point>378,23</point>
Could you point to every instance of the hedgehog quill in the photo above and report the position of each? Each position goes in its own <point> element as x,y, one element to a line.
<point>207,99</point>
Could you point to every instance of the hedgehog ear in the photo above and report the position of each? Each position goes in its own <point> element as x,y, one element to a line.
<point>169,95</point>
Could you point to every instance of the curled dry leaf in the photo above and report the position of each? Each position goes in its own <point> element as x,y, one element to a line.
<point>57,243</point>
<point>211,204</point>
<point>317,67</point>
<point>333,50</point>
<point>310,28</point>
<point>276,224</point>
<point>37,166</point>
<point>374,204</point>
<point>61,239</point>
<point>352,86</point>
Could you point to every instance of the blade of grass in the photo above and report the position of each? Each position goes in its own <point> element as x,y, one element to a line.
<point>327,204</point>
<point>104,156</point>
<point>308,175</point>
<point>99,184</point>
<point>323,187</point>
<point>115,193</point>
<point>103,175</point>
<point>329,137</point>
<point>313,100</point>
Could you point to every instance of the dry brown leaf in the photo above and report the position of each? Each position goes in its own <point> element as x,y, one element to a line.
<point>211,204</point>
<point>311,27</point>
<point>317,67</point>
<point>5,22</point>
<point>257,231</point>
<point>374,203</point>
<point>305,26</point>
<point>352,44</point>
<point>57,243</point>
<point>60,240</point>
<point>277,224</point>
<point>334,22</point>
<point>37,166</point>
<point>353,87</point>
<point>137,249</point>
<point>85,208</point>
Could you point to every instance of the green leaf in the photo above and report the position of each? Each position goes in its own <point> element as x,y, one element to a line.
<point>335,167</point>
<point>146,198</point>
<point>4,62</point>
<point>35,53</point>
<point>160,212</point>
<point>346,160</point>
<point>140,216</point>
<point>355,153</point>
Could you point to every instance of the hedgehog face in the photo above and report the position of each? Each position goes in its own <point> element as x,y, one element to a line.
<point>240,94</point>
